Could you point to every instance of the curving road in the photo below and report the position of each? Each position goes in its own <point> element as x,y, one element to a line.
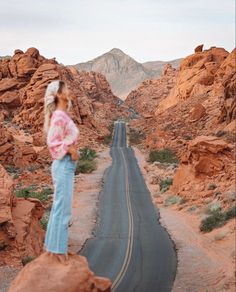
<point>130,246</point>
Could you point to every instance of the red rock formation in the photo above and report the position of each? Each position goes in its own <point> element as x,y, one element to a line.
<point>198,49</point>
<point>73,275</point>
<point>21,234</point>
<point>23,80</point>
<point>207,158</point>
<point>227,73</point>
<point>197,121</point>
<point>196,76</point>
<point>146,98</point>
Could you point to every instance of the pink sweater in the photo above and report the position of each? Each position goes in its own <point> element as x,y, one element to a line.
<point>61,134</point>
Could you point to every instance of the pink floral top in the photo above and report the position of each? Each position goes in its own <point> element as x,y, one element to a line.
<point>61,134</point>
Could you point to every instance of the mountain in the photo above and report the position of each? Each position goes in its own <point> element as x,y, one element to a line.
<point>159,65</point>
<point>122,72</point>
<point>4,57</point>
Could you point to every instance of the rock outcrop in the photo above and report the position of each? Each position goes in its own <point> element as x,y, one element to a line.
<point>197,75</point>
<point>206,158</point>
<point>23,80</point>
<point>146,98</point>
<point>48,273</point>
<point>196,120</point>
<point>21,235</point>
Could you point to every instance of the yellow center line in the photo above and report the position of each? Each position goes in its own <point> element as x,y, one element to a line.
<point>129,248</point>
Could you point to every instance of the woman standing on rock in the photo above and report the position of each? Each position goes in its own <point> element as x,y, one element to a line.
<point>62,135</point>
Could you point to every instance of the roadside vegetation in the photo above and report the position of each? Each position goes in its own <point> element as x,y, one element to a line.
<point>217,218</point>
<point>44,220</point>
<point>30,192</point>
<point>174,200</point>
<point>86,162</point>
<point>163,156</point>
<point>136,136</point>
<point>165,184</point>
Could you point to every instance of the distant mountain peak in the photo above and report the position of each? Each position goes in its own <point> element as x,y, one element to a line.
<point>116,51</point>
<point>122,72</point>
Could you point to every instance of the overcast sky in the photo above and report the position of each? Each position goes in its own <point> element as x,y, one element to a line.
<point>79,30</point>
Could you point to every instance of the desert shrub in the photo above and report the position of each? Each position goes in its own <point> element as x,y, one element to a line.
<point>86,163</point>
<point>211,186</point>
<point>85,166</point>
<point>230,213</point>
<point>216,219</point>
<point>163,156</point>
<point>26,260</point>
<point>220,133</point>
<point>188,138</point>
<point>136,136</point>
<point>44,220</point>
<point>87,154</point>
<point>12,169</point>
<point>213,207</point>
<point>192,208</point>
<point>165,184</point>
<point>29,192</point>
<point>172,200</point>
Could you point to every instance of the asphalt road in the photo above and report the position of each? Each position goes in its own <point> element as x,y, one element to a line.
<point>129,246</point>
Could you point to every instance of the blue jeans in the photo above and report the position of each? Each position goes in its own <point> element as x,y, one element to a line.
<point>56,239</point>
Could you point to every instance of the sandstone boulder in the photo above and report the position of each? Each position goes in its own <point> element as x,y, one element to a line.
<point>48,273</point>
<point>197,112</point>
<point>197,69</point>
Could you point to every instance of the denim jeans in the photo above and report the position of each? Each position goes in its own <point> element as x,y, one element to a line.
<point>56,239</point>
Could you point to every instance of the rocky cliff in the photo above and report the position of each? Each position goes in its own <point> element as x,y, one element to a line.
<point>195,117</point>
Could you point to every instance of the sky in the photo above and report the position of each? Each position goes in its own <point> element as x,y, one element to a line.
<point>76,31</point>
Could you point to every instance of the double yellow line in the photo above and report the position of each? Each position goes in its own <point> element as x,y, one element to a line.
<point>129,248</point>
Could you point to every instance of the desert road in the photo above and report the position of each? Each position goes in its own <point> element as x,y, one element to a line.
<point>129,246</point>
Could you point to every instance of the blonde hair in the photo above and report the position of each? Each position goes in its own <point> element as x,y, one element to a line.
<point>50,101</point>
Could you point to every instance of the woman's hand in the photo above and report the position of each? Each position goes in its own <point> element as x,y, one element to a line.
<point>73,152</point>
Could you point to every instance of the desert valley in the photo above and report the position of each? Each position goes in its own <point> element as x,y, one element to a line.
<point>180,120</point>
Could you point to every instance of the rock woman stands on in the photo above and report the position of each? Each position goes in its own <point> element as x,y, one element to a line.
<point>62,135</point>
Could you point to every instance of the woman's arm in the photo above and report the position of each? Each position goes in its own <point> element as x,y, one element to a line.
<point>73,152</point>
<point>59,141</point>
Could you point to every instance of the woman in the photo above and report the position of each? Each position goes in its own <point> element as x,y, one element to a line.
<point>62,135</point>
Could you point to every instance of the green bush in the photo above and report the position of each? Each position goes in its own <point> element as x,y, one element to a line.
<point>86,162</point>
<point>213,207</point>
<point>230,213</point>
<point>216,219</point>
<point>172,200</point>
<point>29,192</point>
<point>87,154</point>
<point>163,156</point>
<point>165,184</point>
<point>211,186</point>
<point>85,166</point>
<point>44,220</point>
<point>136,136</point>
